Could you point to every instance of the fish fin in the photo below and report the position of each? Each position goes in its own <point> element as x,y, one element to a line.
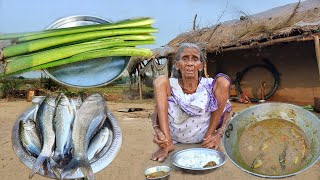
<point>83,164</point>
<point>57,172</point>
<point>57,157</point>
<point>56,168</point>
<point>36,166</point>
<point>46,166</point>
<point>86,169</point>
<point>70,168</point>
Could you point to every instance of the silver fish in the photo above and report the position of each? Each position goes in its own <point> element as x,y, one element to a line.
<point>89,118</point>
<point>79,102</point>
<point>44,124</point>
<point>30,137</point>
<point>73,105</point>
<point>63,120</point>
<point>98,142</point>
<point>36,101</point>
<point>76,103</point>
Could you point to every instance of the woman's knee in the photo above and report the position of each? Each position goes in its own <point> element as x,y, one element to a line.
<point>222,83</point>
<point>161,81</point>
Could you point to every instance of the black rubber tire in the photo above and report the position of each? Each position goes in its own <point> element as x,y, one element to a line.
<point>268,66</point>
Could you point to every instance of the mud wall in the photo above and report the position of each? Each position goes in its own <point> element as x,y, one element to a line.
<point>296,62</point>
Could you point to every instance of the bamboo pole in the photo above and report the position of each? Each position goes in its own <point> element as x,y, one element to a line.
<point>317,49</point>
<point>140,81</point>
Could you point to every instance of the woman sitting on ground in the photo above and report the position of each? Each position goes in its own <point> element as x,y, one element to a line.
<point>189,108</point>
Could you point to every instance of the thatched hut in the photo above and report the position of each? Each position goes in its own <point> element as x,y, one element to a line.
<point>148,69</point>
<point>286,36</point>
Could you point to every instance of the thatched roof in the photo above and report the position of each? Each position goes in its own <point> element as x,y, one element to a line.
<point>156,53</point>
<point>293,20</point>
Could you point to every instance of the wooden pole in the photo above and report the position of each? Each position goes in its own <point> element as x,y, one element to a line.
<point>194,22</point>
<point>317,48</point>
<point>140,81</point>
<point>205,69</point>
<point>300,38</point>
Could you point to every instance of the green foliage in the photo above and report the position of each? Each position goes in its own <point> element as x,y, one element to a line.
<point>51,85</point>
<point>7,88</point>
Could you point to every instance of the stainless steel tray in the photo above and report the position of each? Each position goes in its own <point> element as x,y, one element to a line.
<point>105,157</point>
<point>195,158</point>
<point>87,74</point>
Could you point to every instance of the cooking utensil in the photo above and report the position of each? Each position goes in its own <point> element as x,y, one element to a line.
<point>304,119</point>
<point>91,73</point>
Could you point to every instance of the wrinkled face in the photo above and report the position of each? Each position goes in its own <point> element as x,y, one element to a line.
<point>189,63</point>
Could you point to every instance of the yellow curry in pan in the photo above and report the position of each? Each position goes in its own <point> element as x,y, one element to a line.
<point>274,147</point>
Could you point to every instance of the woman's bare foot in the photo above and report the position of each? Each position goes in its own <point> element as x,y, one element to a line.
<point>161,154</point>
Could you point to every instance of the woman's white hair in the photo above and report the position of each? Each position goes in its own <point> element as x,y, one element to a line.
<point>175,73</point>
<point>188,45</point>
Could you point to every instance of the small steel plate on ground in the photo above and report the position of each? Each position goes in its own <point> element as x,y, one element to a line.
<point>198,159</point>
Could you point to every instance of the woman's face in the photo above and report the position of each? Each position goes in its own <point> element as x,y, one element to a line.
<point>189,63</point>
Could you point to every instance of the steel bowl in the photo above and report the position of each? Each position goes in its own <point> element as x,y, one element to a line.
<point>195,158</point>
<point>99,162</point>
<point>304,119</point>
<point>166,169</point>
<point>91,73</point>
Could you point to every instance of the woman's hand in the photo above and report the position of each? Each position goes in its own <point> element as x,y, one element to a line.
<point>212,141</point>
<point>159,138</point>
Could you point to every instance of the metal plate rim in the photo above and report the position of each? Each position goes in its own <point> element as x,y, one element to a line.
<point>105,160</point>
<point>91,86</point>
<point>221,154</point>
<point>224,141</point>
<point>75,17</point>
<point>96,19</point>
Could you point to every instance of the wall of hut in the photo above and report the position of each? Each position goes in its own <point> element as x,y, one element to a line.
<point>296,62</point>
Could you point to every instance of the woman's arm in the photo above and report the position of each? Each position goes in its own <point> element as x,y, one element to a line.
<point>221,92</point>
<point>159,137</point>
<point>162,91</point>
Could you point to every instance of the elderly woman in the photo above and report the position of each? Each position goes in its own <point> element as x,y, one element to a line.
<point>189,108</point>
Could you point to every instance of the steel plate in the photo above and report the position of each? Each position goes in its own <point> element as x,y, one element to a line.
<point>87,74</point>
<point>196,158</point>
<point>105,157</point>
<point>166,169</point>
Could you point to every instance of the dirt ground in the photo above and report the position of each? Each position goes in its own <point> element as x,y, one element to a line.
<point>133,157</point>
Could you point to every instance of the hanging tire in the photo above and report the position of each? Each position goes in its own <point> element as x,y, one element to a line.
<point>268,66</point>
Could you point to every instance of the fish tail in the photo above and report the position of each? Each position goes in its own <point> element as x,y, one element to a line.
<point>83,164</point>
<point>58,156</point>
<point>56,172</point>
<point>70,168</point>
<point>47,166</point>
<point>36,166</point>
<point>86,168</point>
<point>56,168</point>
